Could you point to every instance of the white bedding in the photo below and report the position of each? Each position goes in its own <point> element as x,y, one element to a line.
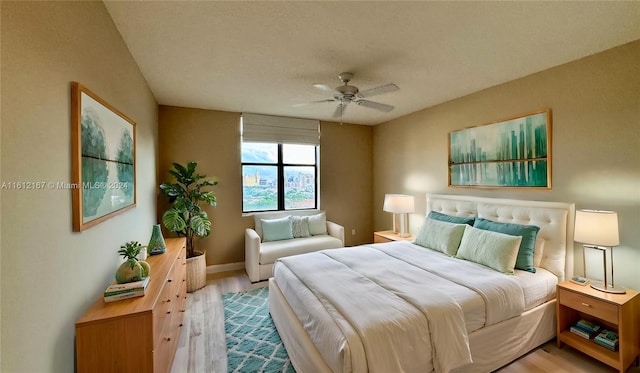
<point>435,302</point>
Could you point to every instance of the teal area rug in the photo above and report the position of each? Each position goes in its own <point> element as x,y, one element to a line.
<point>253,343</point>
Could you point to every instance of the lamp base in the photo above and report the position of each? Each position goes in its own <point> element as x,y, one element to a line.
<point>607,289</point>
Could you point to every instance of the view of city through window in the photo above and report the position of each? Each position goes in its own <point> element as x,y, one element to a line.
<point>261,168</point>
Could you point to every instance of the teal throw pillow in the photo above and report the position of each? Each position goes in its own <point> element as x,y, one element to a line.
<point>492,249</point>
<point>527,246</point>
<point>450,218</point>
<point>277,229</point>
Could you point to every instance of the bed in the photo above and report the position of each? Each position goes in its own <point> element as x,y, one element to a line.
<point>401,307</point>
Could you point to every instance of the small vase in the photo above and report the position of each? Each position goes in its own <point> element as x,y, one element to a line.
<point>156,243</point>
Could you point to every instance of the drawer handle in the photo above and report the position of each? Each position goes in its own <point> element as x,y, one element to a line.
<point>168,339</point>
<point>180,325</point>
<point>168,300</point>
<point>169,280</point>
<point>586,304</point>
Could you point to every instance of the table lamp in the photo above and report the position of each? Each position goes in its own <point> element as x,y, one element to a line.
<point>598,229</point>
<point>399,204</point>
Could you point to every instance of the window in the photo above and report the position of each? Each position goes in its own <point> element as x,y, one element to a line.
<point>279,162</point>
<point>279,176</point>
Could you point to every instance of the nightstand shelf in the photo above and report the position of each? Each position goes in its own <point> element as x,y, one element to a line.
<point>389,236</point>
<point>617,312</point>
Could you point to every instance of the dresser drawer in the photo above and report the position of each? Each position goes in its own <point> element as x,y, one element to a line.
<point>588,305</point>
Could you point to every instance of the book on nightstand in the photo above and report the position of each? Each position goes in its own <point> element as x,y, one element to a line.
<point>579,280</point>
<point>608,339</point>
<point>581,332</point>
<point>588,326</point>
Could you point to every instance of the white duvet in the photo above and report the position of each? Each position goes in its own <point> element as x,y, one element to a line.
<point>394,305</point>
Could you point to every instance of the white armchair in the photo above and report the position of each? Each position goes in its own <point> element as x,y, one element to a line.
<point>260,256</point>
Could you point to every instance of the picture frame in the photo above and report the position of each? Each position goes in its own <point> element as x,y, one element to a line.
<point>511,153</point>
<point>103,142</point>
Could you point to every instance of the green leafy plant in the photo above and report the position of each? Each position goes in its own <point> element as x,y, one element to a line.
<point>132,269</point>
<point>186,216</point>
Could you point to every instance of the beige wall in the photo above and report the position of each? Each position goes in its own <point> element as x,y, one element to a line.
<point>595,106</point>
<point>212,138</point>
<point>346,175</point>
<point>51,275</point>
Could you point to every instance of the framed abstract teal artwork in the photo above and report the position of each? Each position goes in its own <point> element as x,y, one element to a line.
<point>512,153</point>
<point>103,159</point>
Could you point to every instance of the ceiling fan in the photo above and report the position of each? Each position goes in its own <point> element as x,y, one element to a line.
<point>346,94</point>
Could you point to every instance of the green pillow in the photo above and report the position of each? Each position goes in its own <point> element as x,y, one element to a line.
<point>495,250</point>
<point>450,218</point>
<point>276,229</point>
<point>527,246</point>
<point>440,236</point>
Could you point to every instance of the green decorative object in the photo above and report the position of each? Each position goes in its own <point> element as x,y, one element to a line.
<point>156,243</point>
<point>132,269</point>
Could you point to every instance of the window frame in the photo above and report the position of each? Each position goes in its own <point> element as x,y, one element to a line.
<point>280,166</point>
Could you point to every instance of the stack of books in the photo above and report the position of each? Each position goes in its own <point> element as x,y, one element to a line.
<point>608,339</point>
<point>125,291</point>
<point>585,328</point>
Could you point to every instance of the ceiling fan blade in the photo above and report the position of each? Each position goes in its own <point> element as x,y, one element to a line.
<point>324,87</point>
<point>340,110</point>
<point>378,90</point>
<point>313,102</point>
<point>375,105</point>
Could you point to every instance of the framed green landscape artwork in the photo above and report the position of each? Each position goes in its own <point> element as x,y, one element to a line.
<point>103,159</point>
<point>512,153</point>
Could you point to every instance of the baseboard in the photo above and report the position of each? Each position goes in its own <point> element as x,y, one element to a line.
<point>217,268</point>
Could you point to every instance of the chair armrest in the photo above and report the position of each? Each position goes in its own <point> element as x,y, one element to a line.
<point>336,230</point>
<point>252,254</point>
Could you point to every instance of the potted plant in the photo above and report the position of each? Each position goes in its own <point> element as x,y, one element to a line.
<point>187,218</point>
<point>132,269</point>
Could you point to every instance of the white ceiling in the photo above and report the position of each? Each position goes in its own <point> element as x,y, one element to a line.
<point>263,57</point>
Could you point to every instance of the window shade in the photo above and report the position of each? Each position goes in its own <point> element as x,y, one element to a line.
<point>284,130</point>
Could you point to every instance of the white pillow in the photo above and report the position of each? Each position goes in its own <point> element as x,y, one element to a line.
<point>300,226</point>
<point>318,224</point>
<point>440,236</point>
<point>492,249</point>
<point>537,252</point>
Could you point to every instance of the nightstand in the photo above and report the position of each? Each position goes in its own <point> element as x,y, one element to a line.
<point>618,312</point>
<point>388,236</point>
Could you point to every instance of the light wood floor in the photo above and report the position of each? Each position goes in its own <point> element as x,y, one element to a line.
<point>202,347</point>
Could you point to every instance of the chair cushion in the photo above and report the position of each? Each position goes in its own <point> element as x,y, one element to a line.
<point>270,251</point>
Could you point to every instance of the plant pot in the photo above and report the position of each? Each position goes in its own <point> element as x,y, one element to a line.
<point>196,272</point>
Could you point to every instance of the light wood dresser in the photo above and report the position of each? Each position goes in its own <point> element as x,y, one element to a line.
<point>138,334</point>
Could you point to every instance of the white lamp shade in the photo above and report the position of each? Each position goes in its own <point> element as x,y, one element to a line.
<point>597,227</point>
<point>398,203</point>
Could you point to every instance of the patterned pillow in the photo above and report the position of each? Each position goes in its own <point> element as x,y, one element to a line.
<point>526,252</point>
<point>492,249</point>
<point>300,226</point>
<point>440,236</point>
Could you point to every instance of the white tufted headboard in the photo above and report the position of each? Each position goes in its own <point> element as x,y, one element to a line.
<point>555,219</point>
